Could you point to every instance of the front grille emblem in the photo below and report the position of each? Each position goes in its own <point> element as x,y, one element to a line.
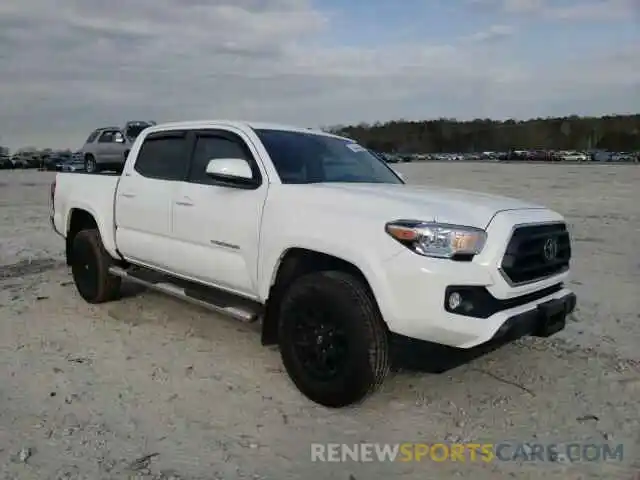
<point>550,249</point>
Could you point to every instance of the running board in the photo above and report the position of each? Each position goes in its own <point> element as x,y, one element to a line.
<point>218,301</point>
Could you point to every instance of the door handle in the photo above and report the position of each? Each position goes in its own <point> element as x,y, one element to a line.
<point>185,202</point>
<point>128,195</point>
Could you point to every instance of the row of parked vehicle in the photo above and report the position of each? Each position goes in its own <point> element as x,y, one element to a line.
<point>44,160</point>
<point>106,148</point>
<point>517,155</point>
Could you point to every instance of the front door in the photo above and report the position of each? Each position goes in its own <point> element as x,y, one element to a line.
<point>219,225</point>
<point>106,147</point>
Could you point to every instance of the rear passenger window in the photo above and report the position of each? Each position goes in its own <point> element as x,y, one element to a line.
<point>212,147</point>
<point>163,158</point>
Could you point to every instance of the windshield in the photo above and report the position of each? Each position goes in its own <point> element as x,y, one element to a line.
<point>311,158</point>
<point>133,130</point>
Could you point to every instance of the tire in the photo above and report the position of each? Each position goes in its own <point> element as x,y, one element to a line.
<point>356,337</point>
<point>90,264</point>
<point>90,164</point>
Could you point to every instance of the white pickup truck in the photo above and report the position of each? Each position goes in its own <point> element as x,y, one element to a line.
<point>319,240</point>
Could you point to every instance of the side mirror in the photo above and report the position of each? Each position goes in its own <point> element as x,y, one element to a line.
<point>118,138</point>
<point>230,170</point>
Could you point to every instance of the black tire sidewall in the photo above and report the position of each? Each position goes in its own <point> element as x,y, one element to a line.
<point>90,240</point>
<point>91,160</point>
<point>346,298</point>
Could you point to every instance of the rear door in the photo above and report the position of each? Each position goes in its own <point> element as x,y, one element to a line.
<point>104,146</point>
<point>144,200</point>
<point>116,153</point>
<point>218,224</point>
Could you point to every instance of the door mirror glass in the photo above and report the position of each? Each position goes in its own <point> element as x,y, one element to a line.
<point>230,169</point>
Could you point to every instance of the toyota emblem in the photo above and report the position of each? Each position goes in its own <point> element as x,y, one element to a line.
<point>550,249</point>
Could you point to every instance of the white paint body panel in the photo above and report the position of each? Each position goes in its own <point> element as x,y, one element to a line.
<point>234,238</point>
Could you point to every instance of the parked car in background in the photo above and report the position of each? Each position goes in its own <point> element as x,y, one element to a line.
<point>571,156</point>
<point>600,156</point>
<point>55,160</point>
<point>5,162</point>
<point>74,164</point>
<point>623,157</point>
<point>18,162</point>
<point>107,148</point>
<point>33,161</point>
<point>24,159</point>
<point>64,158</point>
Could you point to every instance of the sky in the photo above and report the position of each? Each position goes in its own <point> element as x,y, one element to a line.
<point>70,66</point>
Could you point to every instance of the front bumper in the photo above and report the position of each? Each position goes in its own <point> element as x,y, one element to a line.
<point>543,321</point>
<point>415,290</point>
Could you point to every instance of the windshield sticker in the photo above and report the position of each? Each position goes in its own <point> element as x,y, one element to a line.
<point>354,147</point>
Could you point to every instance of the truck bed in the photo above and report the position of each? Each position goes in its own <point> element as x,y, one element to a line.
<point>90,192</point>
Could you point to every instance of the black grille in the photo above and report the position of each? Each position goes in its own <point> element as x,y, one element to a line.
<point>525,259</point>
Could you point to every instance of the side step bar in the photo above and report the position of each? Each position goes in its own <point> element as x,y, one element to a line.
<point>220,302</point>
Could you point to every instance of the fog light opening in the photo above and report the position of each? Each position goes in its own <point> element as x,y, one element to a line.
<point>458,303</point>
<point>454,300</point>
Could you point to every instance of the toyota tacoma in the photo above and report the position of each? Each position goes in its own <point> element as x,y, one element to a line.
<point>320,241</point>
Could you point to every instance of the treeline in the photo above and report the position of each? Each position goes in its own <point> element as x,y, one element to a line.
<point>619,133</point>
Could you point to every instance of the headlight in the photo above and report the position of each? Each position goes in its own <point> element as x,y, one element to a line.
<point>439,240</point>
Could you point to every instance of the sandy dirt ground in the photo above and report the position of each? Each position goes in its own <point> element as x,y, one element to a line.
<point>151,388</point>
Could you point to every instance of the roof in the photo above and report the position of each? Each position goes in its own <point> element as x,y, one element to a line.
<point>239,124</point>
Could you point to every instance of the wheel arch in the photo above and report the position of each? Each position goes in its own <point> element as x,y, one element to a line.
<point>293,263</point>
<point>80,218</point>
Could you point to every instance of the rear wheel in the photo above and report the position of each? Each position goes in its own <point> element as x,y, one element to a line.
<point>333,341</point>
<point>90,164</point>
<point>90,264</point>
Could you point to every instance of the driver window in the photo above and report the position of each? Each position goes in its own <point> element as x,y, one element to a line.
<point>106,137</point>
<point>209,148</point>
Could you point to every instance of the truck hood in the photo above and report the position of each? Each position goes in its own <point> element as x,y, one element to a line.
<point>415,202</point>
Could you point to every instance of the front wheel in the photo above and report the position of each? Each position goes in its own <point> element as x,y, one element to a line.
<point>90,264</point>
<point>333,341</point>
<point>90,165</point>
